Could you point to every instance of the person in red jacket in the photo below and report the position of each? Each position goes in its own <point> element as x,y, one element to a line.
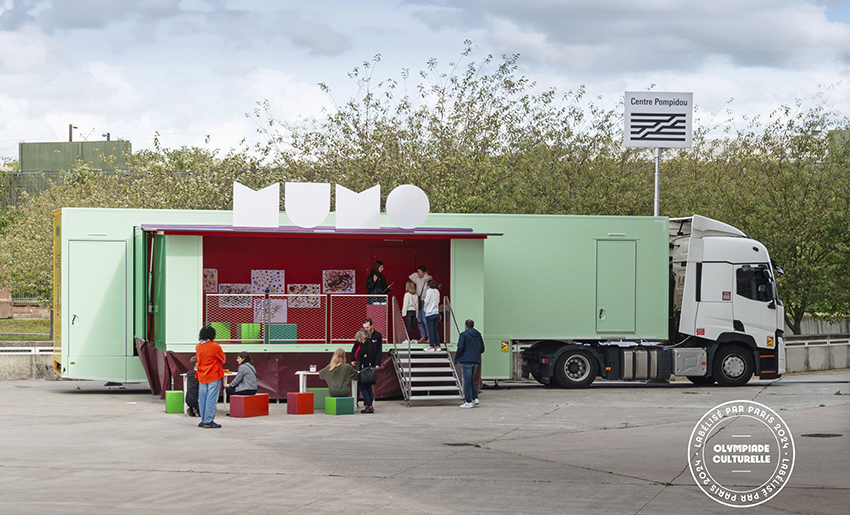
<point>210,372</point>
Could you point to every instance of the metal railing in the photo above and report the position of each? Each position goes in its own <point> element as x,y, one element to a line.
<point>399,330</point>
<point>450,321</point>
<point>277,318</point>
<point>817,339</point>
<point>21,351</point>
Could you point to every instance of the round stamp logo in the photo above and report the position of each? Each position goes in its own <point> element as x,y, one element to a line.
<point>741,453</point>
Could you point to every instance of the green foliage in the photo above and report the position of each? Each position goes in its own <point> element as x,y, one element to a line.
<point>481,138</point>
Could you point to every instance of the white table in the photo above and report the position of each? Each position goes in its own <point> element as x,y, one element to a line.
<point>223,389</point>
<point>302,382</point>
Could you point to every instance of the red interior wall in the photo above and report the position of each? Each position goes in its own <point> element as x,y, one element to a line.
<point>304,258</point>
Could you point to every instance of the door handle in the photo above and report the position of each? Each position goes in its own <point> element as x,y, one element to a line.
<point>74,319</point>
<point>601,314</point>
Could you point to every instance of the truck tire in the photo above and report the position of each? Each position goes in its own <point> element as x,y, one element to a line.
<point>575,369</point>
<point>733,366</point>
<point>701,380</point>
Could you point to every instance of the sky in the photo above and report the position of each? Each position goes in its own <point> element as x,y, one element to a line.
<point>189,69</point>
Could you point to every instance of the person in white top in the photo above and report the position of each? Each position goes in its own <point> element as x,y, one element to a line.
<point>420,278</point>
<point>409,306</point>
<point>431,306</point>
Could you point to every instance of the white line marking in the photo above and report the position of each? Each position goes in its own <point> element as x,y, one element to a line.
<point>745,471</point>
<point>741,436</point>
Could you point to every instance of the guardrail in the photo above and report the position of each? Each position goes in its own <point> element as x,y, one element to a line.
<point>22,351</point>
<point>817,339</point>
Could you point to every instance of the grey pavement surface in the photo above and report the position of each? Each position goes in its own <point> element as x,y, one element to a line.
<point>79,447</point>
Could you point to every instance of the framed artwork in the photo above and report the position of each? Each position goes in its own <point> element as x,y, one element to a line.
<point>304,289</point>
<point>210,280</point>
<point>337,281</point>
<point>234,302</point>
<point>271,311</point>
<point>271,280</point>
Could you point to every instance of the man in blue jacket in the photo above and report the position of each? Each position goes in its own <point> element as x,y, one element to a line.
<point>470,346</point>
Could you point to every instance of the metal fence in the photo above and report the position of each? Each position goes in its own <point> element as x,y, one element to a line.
<point>293,318</point>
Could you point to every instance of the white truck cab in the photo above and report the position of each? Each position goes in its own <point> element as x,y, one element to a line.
<point>725,295</point>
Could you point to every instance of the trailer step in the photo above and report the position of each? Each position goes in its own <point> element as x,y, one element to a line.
<point>446,370</point>
<point>431,379</point>
<point>415,398</point>
<point>452,388</point>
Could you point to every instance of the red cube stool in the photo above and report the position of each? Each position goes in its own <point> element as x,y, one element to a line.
<point>243,406</point>
<point>299,403</point>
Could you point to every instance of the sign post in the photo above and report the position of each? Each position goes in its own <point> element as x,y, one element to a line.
<point>658,120</point>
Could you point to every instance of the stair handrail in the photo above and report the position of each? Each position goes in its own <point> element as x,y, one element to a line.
<point>447,310</point>
<point>405,385</point>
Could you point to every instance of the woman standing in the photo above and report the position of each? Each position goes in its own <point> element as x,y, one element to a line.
<point>210,372</point>
<point>366,354</point>
<point>376,283</point>
<point>432,315</point>
<point>409,306</point>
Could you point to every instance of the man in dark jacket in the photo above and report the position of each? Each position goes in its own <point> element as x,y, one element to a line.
<point>470,346</point>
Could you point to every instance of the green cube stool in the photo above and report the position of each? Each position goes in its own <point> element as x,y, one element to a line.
<point>339,405</point>
<point>174,401</point>
<point>319,396</point>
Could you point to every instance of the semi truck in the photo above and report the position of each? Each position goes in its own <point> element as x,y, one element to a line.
<point>724,317</point>
<point>561,298</point>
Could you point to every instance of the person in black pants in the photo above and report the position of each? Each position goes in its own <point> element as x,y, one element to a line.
<point>367,353</point>
<point>192,389</point>
<point>376,283</point>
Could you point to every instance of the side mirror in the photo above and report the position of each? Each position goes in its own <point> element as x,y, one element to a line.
<point>772,305</point>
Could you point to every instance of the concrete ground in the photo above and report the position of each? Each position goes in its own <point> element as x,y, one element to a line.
<point>79,447</point>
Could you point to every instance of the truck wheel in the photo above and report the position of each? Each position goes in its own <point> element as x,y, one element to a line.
<point>733,366</point>
<point>575,369</point>
<point>701,380</point>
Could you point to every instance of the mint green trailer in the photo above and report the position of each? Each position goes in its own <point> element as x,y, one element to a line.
<point>139,273</point>
<point>570,278</point>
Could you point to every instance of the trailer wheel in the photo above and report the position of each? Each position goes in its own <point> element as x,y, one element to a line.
<point>733,366</point>
<point>575,369</point>
<point>701,380</point>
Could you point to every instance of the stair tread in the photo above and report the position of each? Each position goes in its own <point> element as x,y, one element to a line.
<point>434,397</point>
<point>446,369</point>
<point>430,379</point>
<point>453,387</point>
<point>428,360</point>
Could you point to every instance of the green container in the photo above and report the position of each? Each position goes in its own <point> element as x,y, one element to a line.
<point>174,401</point>
<point>283,333</point>
<point>339,405</point>
<point>251,333</point>
<point>319,396</point>
<point>222,330</point>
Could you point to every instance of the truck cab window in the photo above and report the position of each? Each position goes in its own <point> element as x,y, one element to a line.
<point>754,283</point>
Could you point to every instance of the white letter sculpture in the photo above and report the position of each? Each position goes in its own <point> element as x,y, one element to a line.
<point>408,206</point>
<point>307,203</point>
<point>358,210</point>
<point>256,208</point>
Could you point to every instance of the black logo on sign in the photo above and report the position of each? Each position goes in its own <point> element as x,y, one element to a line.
<point>657,127</point>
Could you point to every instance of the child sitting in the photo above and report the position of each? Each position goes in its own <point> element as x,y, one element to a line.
<point>192,389</point>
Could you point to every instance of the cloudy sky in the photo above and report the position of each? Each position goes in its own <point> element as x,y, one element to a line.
<point>191,68</point>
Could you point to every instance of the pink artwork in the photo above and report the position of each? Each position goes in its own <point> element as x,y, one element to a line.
<point>308,290</point>
<point>338,281</point>
<point>210,280</point>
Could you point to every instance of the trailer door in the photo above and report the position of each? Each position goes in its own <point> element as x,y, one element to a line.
<point>97,298</point>
<point>615,286</point>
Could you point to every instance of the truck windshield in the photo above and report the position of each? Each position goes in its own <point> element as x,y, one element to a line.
<point>754,283</point>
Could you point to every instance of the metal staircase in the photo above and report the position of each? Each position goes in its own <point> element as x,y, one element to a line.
<point>423,375</point>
